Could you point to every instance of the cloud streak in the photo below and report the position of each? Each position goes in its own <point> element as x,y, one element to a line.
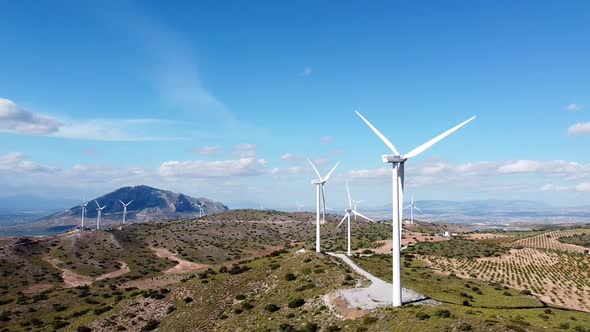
<point>579,129</point>
<point>15,119</point>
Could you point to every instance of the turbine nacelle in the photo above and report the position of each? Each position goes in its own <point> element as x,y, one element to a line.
<point>393,159</point>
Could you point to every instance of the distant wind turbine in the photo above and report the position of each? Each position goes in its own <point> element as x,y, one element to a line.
<point>320,182</point>
<point>347,216</point>
<point>412,207</point>
<point>125,209</point>
<point>201,210</point>
<point>83,207</point>
<point>398,161</point>
<point>299,206</point>
<point>99,209</point>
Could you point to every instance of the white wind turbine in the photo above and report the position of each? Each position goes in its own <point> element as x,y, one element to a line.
<point>201,210</point>
<point>350,210</point>
<point>319,182</point>
<point>412,207</point>
<point>99,209</point>
<point>398,162</point>
<point>83,206</point>
<point>299,206</point>
<point>125,209</point>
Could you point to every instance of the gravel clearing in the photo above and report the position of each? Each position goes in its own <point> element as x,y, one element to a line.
<point>378,294</point>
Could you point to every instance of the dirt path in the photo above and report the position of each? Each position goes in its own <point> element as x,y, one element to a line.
<point>72,279</point>
<point>378,294</point>
<point>182,266</point>
<point>121,271</point>
<point>36,289</point>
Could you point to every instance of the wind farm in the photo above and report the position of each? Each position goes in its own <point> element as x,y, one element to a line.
<point>294,167</point>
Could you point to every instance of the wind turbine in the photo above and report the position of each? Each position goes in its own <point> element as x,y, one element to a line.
<point>355,204</point>
<point>99,209</point>
<point>347,216</point>
<point>125,209</point>
<point>299,206</point>
<point>201,210</point>
<point>412,206</point>
<point>398,161</point>
<point>83,206</point>
<point>319,182</point>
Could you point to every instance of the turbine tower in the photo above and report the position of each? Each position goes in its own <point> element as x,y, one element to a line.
<point>412,207</point>
<point>125,209</point>
<point>350,210</point>
<point>83,207</point>
<point>99,209</point>
<point>319,182</point>
<point>398,161</point>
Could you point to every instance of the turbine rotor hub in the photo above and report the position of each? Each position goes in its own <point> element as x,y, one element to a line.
<point>393,159</point>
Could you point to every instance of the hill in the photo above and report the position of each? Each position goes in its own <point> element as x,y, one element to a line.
<point>148,204</point>
<point>244,270</point>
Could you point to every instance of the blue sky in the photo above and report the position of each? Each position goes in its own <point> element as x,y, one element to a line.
<point>227,99</point>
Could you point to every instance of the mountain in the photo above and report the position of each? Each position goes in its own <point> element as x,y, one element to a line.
<point>148,204</point>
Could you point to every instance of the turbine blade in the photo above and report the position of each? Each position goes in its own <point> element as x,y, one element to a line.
<point>418,209</point>
<point>331,171</point>
<point>324,208</point>
<point>378,133</point>
<point>349,199</point>
<point>346,215</point>
<point>315,169</point>
<point>361,215</point>
<point>433,141</point>
<point>405,207</point>
<point>130,202</point>
<point>359,202</point>
<point>96,203</point>
<point>122,202</point>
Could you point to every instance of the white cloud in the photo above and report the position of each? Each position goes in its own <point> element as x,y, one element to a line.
<point>521,166</point>
<point>292,158</point>
<point>17,162</point>
<point>289,170</point>
<point>212,169</point>
<point>208,150</point>
<point>326,139</point>
<point>123,130</point>
<point>584,186</point>
<point>16,119</point>
<point>579,129</point>
<point>574,107</point>
<point>307,71</point>
<point>245,150</point>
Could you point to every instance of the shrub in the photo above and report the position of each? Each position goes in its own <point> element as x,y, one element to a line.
<point>101,310</point>
<point>240,297</point>
<point>548,311</point>
<point>58,324</point>
<point>152,324</point>
<point>422,316</point>
<point>272,307</point>
<point>290,277</point>
<point>465,327</point>
<point>564,326</point>
<point>526,292</point>
<point>247,305</point>
<point>296,303</point>
<point>443,313</point>
<point>309,327</point>
<point>188,299</point>
<point>83,328</point>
